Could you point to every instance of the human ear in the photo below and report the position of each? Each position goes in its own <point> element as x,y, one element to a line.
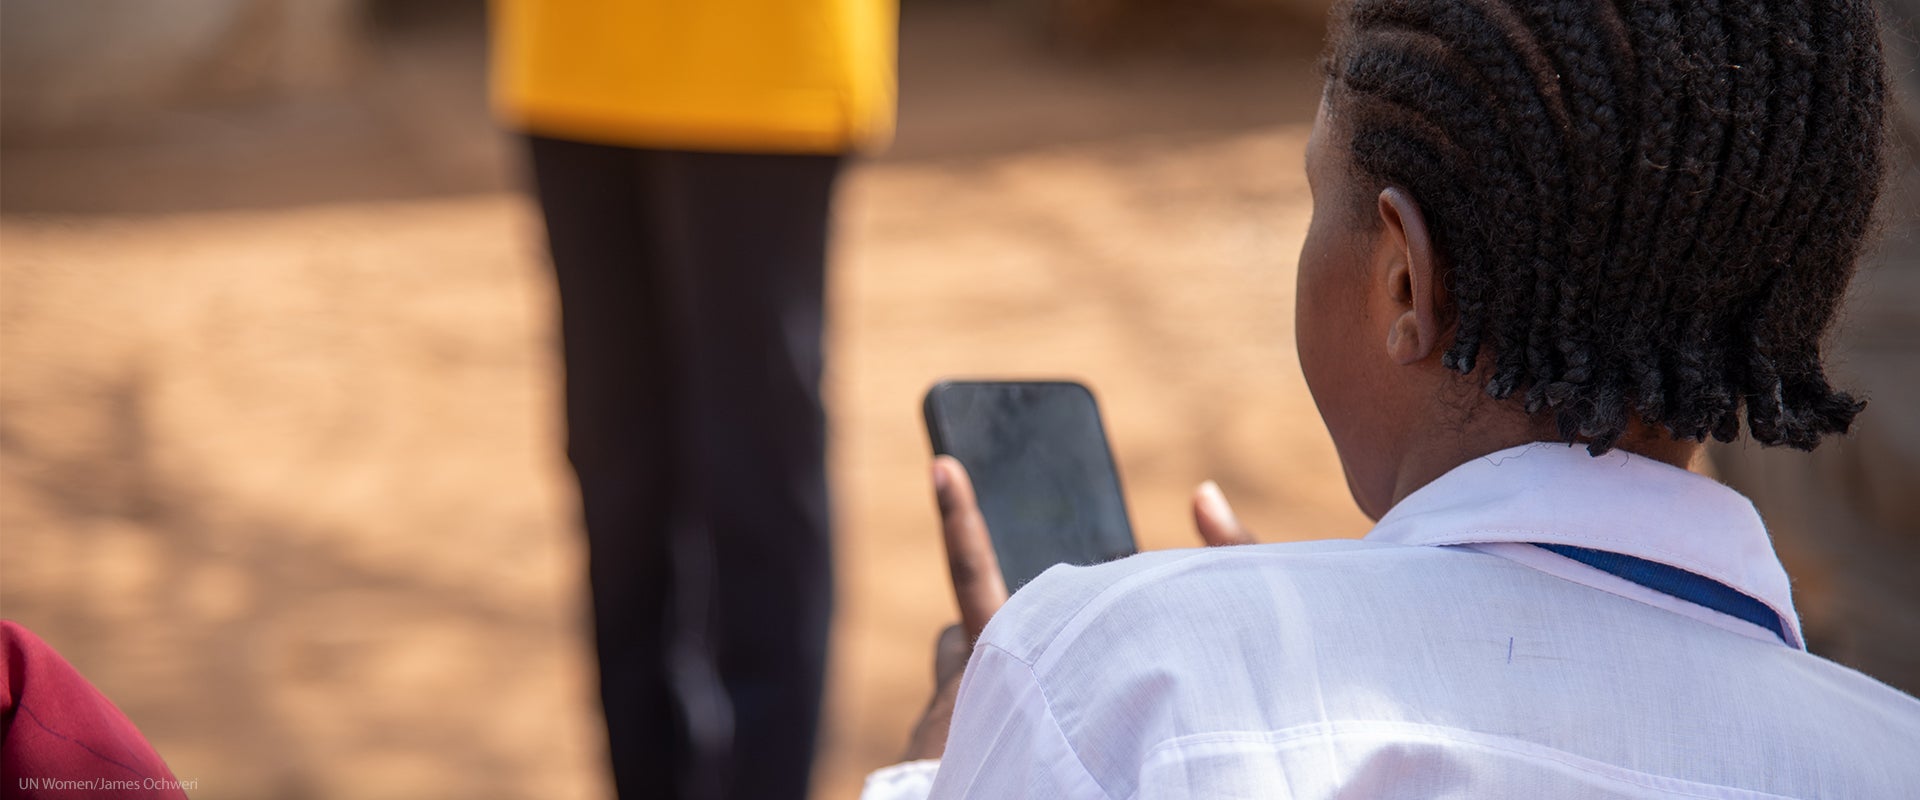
<point>1412,279</point>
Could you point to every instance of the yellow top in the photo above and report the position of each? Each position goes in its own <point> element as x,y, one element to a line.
<point>781,76</point>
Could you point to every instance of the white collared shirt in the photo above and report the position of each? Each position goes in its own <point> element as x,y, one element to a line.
<point>1442,656</point>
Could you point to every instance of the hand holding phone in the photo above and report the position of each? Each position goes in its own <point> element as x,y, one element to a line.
<point>1048,489</point>
<point>980,591</point>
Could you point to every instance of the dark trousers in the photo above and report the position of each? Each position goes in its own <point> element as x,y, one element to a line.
<point>690,296</point>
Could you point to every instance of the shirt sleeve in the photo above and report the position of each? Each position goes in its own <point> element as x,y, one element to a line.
<point>910,780</point>
<point>1005,741</point>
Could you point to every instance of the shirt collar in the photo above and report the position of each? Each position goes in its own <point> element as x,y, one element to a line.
<point>1618,502</point>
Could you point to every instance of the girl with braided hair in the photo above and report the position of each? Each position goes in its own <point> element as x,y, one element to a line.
<point>1556,245</point>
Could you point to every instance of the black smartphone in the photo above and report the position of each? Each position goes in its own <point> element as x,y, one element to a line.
<point>1038,457</point>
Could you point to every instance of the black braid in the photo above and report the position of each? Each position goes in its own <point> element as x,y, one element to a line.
<point>1504,86</point>
<point>1643,208</point>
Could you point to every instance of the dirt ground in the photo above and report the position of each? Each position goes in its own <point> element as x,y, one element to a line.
<point>280,465</point>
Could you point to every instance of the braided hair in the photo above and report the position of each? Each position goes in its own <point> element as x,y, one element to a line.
<point>1643,208</point>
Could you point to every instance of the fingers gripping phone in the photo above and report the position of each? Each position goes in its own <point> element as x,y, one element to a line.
<point>1041,469</point>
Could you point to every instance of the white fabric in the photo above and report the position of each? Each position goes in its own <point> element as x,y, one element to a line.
<point>905,779</point>
<point>1439,657</point>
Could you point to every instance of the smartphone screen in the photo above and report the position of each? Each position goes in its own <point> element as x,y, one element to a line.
<point>1038,457</point>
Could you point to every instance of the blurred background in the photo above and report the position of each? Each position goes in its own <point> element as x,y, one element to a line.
<point>281,460</point>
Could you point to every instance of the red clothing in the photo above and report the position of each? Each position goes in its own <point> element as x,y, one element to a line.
<point>62,737</point>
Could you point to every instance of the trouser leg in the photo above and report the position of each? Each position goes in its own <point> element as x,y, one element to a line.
<point>691,289</point>
<point>757,237</point>
<point>603,231</point>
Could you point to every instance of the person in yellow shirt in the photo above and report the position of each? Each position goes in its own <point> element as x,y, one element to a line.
<point>684,155</point>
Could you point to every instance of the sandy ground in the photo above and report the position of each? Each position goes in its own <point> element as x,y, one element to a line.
<point>280,465</point>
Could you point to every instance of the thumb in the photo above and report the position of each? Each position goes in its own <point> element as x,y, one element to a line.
<point>1215,519</point>
<point>978,586</point>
